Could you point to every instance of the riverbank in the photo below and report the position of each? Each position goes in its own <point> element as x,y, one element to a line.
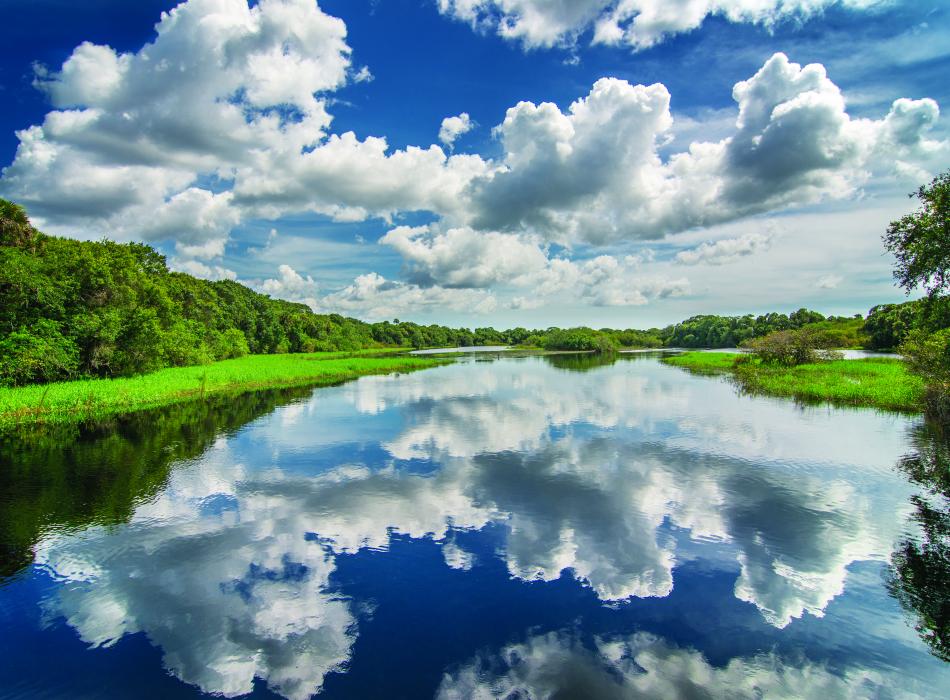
<point>94,399</point>
<point>876,382</point>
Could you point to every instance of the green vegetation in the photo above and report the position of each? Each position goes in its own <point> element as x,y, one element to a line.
<point>791,348</point>
<point>920,243</point>
<point>703,362</point>
<point>94,399</point>
<point>733,331</point>
<point>888,325</point>
<point>794,361</point>
<point>877,382</point>
<point>928,357</point>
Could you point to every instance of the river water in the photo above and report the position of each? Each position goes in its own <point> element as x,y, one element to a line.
<point>519,527</point>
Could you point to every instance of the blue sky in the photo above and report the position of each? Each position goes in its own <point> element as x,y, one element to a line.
<point>245,142</point>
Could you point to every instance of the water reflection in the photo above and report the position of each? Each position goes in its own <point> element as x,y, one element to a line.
<point>920,577</point>
<point>643,666</point>
<point>62,478</point>
<point>616,477</point>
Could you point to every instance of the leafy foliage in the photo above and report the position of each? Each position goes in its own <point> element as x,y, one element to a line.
<point>791,348</point>
<point>928,356</point>
<point>578,339</point>
<point>921,241</point>
<point>79,309</point>
<point>733,331</point>
<point>888,325</point>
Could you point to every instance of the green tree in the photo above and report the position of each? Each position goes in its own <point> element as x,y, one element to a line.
<point>921,241</point>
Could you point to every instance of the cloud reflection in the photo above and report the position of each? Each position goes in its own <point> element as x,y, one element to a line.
<point>229,569</point>
<point>643,666</point>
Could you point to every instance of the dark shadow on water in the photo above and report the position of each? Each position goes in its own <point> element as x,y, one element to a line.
<point>68,477</point>
<point>920,566</point>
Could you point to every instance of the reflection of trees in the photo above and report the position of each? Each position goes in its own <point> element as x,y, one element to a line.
<point>62,478</point>
<point>580,362</point>
<point>920,575</point>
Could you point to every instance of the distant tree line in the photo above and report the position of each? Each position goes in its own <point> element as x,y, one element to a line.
<point>75,309</point>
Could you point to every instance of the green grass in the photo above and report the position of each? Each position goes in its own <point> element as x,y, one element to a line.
<point>878,382</point>
<point>79,401</point>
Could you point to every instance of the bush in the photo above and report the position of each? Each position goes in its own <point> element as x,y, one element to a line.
<point>928,356</point>
<point>578,339</point>
<point>232,343</point>
<point>791,348</point>
<point>38,354</point>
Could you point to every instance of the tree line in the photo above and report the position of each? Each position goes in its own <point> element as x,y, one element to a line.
<point>74,309</point>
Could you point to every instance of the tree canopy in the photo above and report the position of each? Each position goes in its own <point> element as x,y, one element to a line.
<point>73,309</point>
<point>921,241</point>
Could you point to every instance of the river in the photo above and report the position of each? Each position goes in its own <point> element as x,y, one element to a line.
<point>527,527</point>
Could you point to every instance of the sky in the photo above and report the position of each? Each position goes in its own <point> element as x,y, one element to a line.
<point>624,163</point>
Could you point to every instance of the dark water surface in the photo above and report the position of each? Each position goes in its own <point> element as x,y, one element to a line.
<point>514,527</point>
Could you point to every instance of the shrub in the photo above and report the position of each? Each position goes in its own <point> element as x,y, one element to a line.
<point>928,356</point>
<point>790,348</point>
<point>578,339</point>
<point>37,354</point>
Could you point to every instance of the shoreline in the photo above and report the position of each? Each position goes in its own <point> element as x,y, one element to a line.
<point>81,401</point>
<point>881,383</point>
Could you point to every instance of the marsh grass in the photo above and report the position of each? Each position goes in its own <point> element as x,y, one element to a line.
<point>879,382</point>
<point>80,401</point>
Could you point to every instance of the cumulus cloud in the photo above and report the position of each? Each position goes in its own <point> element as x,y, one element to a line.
<point>638,24</point>
<point>373,297</point>
<point>292,286</point>
<point>224,117</point>
<point>726,250</point>
<point>229,93</point>
<point>466,258</point>
<point>463,257</point>
<point>594,173</point>
<point>196,268</point>
<point>132,132</point>
<point>454,127</point>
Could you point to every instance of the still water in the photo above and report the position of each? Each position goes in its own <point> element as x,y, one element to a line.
<point>499,527</point>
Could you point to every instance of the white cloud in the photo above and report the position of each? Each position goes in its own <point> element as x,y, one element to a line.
<point>726,250</point>
<point>292,286</point>
<point>463,257</point>
<point>136,137</point>
<point>594,173</point>
<point>639,24</point>
<point>453,127</point>
<point>829,281</point>
<point>466,258</point>
<point>363,75</point>
<point>133,132</point>
<point>197,268</point>
<point>229,93</point>
<point>223,117</point>
<point>373,297</point>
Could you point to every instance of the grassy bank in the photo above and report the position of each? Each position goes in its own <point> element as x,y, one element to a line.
<point>878,382</point>
<point>66,402</point>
